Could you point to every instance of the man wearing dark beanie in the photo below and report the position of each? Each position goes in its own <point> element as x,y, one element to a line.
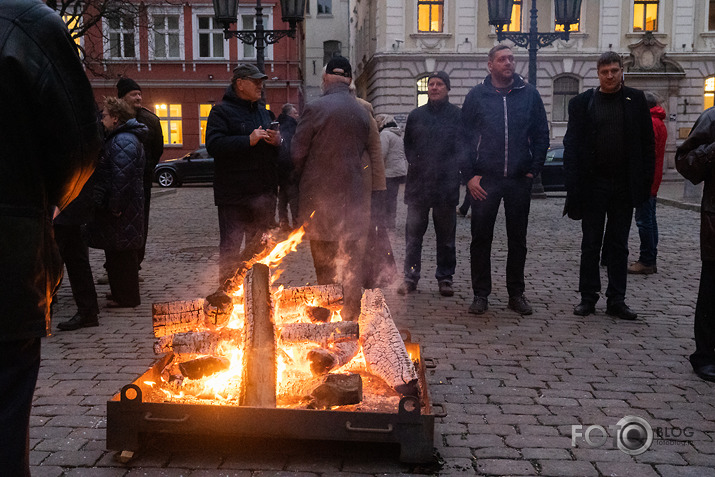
<point>131,92</point>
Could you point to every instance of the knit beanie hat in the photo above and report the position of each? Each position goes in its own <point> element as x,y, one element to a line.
<point>443,76</point>
<point>125,85</point>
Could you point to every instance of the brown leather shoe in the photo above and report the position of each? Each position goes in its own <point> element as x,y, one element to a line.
<point>639,269</point>
<point>445,289</point>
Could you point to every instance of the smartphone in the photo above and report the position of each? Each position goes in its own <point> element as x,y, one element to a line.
<point>274,125</point>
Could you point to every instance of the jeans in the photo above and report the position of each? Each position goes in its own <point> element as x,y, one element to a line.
<point>610,199</point>
<point>705,318</point>
<point>648,232</point>
<point>516,193</point>
<point>445,227</point>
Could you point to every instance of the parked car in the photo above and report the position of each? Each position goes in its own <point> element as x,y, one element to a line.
<point>196,166</point>
<point>552,174</point>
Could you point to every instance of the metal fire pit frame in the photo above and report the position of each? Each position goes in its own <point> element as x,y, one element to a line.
<point>412,426</point>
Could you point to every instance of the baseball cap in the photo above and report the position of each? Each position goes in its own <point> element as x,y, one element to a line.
<point>245,70</point>
<point>340,66</point>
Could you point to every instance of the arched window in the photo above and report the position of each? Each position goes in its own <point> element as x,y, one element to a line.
<point>565,88</point>
<point>709,96</point>
<point>422,91</point>
<point>645,15</point>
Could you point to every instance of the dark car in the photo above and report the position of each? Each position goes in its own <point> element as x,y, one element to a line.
<point>552,174</point>
<point>196,166</point>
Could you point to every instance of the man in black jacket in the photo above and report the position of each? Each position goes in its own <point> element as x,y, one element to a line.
<point>432,183</point>
<point>245,151</point>
<point>609,159</point>
<point>50,140</point>
<point>500,162</point>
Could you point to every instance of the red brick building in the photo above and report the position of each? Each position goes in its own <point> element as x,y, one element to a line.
<point>183,64</point>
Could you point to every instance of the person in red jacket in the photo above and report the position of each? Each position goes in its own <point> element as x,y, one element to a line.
<point>645,213</point>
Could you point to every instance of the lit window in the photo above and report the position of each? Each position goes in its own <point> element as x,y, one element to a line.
<point>429,15</point>
<point>73,24</point>
<point>166,36</point>
<point>711,16</point>
<point>645,15</point>
<point>210,38</point>
<point>422,91</point>
<point>171,124</point>
<point>565,88</point>
<point>709,99</point>
<point>516,10</point>
<point>121,36</point>
<point>204,110</point>
<point>325,7</point>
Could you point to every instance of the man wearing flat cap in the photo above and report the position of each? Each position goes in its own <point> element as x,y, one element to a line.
<point>131,92</point>
<point>432,183</point>
<point>246,157</point>
<point>337,178</point>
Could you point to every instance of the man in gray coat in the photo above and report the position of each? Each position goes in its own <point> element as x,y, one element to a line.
<point>336,181</point>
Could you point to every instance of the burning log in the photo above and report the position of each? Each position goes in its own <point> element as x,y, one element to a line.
<point>321,333</point>
<point>254,251</point>
<point>204,366</point>
<point>293,301</point>
<point>259,378</point>
<point>177,316</point>
<point>318,314</point>
<point>323,360</point>
<point>198,342</point>
<point>382,345</point>
<point>337,390</point>
<point>218,308</point>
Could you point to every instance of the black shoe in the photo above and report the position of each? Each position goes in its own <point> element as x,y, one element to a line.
<point>706,372</point>
<point>520,305</point>
<point>407,287</point>
<point>584,308</point>
<point>621,311</point>
<point>78,321</point>
<point>445,289</point>
<point>479,305</point>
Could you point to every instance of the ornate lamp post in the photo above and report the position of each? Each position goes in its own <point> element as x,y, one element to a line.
<point>226,14</point>
<point>566,12</point>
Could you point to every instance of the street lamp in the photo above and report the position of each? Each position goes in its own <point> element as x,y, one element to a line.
<point>566,12</point>
<point>292,12</point>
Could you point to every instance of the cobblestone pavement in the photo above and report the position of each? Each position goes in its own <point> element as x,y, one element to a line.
<point>512,386</point>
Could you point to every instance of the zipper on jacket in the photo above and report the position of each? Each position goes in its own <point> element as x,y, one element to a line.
<point>506,136</point>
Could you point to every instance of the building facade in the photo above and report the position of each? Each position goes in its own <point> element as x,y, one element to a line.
<point>667,46</point>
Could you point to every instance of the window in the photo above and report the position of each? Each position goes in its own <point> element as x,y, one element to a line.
<point>645,15</point>
<point>422,91</point>
<point>516,16</point>
<point>709,99</point>
<point>711,16</point>
<point>166,36</point>
<point>122,36</point>
<point>171,124</point>
<point>429,15</point>
<point>204,110</point>
<point>330,48</point>
<point>73,24</point>
<point>565,88</point>
<point>325,7</point>
<point>249,23</point>
<point>211,42</point>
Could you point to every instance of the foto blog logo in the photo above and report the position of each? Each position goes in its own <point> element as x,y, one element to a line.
<point>632,435</point>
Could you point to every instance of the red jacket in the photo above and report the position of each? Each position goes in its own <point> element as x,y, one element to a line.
<point>657,114</point>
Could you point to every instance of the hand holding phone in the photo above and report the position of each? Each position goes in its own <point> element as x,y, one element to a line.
<point>274,125</point>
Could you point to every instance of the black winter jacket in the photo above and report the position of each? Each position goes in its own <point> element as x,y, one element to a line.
<point>432,154</point>
<point>242,171</point>
<point>153,144</point>
<point>118,222</point>
<point>50,139</point>
<point>580,148</point>
<point>492,149</point>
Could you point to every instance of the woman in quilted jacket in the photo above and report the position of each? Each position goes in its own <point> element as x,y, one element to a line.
<point>118,223</point>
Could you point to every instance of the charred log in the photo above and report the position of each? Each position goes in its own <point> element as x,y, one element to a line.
<point>337,390</point>
<point>320,333</point>
<point>218,308</point>
<point>177,316</point>
<point>293,301</point>
<point>323,360</point>
<point>383,348</point>
<point>204,366</point>
<point>255,250</point>
<point>318,314</point>
<point>198,342</point>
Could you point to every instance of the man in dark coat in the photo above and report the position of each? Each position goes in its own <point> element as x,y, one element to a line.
<point>695,160</point>
<point>432,183</point>
<point>336,180</point>
<point>131,92</point>
<point>507,136</point>
<point>609,159</point>
<point>288,187</point>
<point>246,154</point>
<point>50,140</point>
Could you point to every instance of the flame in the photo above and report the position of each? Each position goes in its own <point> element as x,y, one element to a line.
<point>284,248</point>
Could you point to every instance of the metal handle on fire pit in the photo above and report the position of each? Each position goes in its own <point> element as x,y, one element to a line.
<point>430,363</point>
<point>350,427</point>
<point>148,417</point>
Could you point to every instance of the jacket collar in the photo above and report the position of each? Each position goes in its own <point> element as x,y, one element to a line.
<point>336,88</point>
<point>231,96</point>
<point>519,82</point>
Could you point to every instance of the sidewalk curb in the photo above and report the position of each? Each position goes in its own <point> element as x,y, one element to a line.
<point>679,204</point>
<point>162,192</point>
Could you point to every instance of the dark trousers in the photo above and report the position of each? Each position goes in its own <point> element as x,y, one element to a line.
<point>288,197</point>
<point>75,255</point>
<point>705,318</point>
<point>647,231</point>
<point>445,228</point>
<point>609,206</point>
<point>466,203</point>
<point>19,367</point>
<point>341,262</point>
<point>142,251</point>
<point>393,187</point>
<point>516,193</point>
<point>237,223</point>
<point>123,274</point>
